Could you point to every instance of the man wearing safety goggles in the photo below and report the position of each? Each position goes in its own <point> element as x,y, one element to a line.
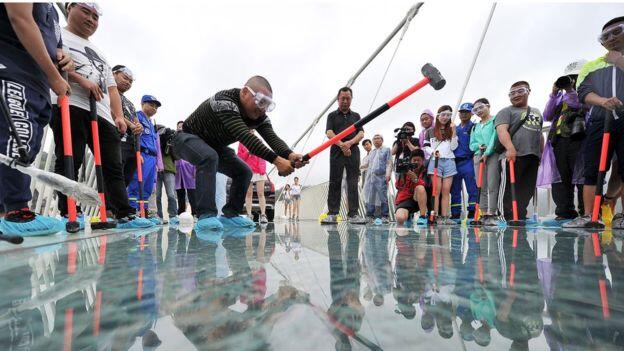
<point>465,168</point>
<point>223,119</point>
<point>596,88</point>
<point>524,147</point>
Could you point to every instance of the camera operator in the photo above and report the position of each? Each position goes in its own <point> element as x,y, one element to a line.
<point>566,135</point>
<point>406,142</point>
<point>412,188</point>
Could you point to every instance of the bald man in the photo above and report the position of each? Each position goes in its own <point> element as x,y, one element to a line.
<point>223,119</point>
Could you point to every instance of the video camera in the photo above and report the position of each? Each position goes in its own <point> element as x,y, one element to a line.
<point>404,164</point>
<point>403,133</point>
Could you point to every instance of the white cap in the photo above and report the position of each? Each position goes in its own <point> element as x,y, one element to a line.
<point>574,67</point>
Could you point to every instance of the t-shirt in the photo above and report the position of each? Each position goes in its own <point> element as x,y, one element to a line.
<point>405,187</point>
<point>91,64</point>
<point>15,62</point>
<point>527,140</point>
<point>295,189</point>
<point>337,121</point>
<point>129,113</point>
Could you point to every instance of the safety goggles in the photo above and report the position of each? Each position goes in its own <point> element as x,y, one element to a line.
<point>612,32</point>
<point>262,101</point>
<point>520,91</point>
<point>445,114</point>
<point>479,108</point>
<point>126,71</point>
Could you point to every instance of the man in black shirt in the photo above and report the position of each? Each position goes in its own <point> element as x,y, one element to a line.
<point>124,79</point>
<point>223,119</point>
<point>344,155</point>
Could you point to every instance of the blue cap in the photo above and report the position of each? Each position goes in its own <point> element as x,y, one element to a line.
<point>466,106</point>
<point>150,98</point>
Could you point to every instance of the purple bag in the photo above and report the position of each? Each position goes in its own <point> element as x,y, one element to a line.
<point>548,173</point>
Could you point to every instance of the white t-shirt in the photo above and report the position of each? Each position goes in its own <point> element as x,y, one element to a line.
<point>295,189</point>
<point>91,64</point>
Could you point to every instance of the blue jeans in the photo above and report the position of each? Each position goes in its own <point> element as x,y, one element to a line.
<point>169,181</point>
<point>208,161</point>
<point>370,209</point>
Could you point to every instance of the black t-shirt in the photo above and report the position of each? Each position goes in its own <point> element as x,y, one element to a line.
<point>401,149</point>
<point>337,122</point>
<point>15,62</point>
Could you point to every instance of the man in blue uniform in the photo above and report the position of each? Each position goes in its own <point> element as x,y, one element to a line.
<point>30,55</point>
<point>464,164</point>
<point>149,152</point>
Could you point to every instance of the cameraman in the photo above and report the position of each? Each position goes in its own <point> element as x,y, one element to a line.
<point>405,143</point>
<point>567,131</point>
<point>412,189</point>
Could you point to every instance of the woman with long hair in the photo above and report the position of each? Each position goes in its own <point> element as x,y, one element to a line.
<point>295,191</point>
<point>287,200</point>
<point>440,143</point>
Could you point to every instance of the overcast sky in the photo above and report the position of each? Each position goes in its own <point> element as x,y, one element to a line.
<point>185,52</point>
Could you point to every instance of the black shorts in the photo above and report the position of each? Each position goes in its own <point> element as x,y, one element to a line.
<point>410,205</point>
<point>593,144</point>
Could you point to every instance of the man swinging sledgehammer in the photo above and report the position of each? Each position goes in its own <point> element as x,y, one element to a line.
<point>223,119</point>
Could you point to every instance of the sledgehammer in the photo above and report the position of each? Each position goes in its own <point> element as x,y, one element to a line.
<point>432,77</point>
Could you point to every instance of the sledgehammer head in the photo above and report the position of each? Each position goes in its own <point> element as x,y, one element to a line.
<point>435,77</point>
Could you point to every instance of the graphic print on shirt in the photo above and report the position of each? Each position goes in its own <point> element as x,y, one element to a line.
<point>15,96</point>
<point>91,66</point>
<point>533,122</point>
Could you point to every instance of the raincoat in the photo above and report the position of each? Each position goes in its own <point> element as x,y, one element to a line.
<point>379,167</point>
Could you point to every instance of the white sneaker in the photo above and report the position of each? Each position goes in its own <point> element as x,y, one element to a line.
<point>263,219</point>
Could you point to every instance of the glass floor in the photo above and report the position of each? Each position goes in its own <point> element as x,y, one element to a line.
<point>303,286</point>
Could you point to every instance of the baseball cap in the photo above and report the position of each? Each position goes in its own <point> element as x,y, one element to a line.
<point>466,106</point>
<point>90,5</point>
<point>150,98</point>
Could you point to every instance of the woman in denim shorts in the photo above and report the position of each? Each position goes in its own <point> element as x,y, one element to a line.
<point>440,141</point>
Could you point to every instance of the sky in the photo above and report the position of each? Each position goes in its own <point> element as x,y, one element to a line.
<point>184,52</point>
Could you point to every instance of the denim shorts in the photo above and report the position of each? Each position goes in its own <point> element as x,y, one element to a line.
<point>446,167</point>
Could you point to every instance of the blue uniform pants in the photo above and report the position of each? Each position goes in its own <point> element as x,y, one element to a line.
<point>465,173</point>
<point>149,178</point>
<point>30,112</point>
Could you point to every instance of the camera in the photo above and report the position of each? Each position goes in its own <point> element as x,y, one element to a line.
<point>403,133</point>
<point>403,165</point>
<point>564,82</point>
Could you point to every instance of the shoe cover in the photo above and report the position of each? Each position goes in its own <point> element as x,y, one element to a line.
<point>135,223</point>
<point>208,223</point>
<point>40,225</point>
<point>237,222</point>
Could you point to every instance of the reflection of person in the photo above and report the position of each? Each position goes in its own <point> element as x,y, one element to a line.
<point>376,263</point>
<point>519,303</point>
<point>344,281</point>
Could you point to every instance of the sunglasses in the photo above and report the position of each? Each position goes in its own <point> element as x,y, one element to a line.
<point>519,91</point>
<point>262,101</point>
<point>613,32</point>
<point>479,108</point>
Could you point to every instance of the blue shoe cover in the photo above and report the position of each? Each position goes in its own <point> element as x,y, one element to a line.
<point>530,222</point>
<point>238,232</point>
<point>208,223</point>
<point>155,220</point>
<point>136,222</point>
<point>377,221</point>
<point>553,223</point>
<point>40,225</point>
<point>237,222</point>
<point>174,221</point>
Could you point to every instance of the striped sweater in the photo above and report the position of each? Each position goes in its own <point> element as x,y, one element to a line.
<point>221,121</point>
